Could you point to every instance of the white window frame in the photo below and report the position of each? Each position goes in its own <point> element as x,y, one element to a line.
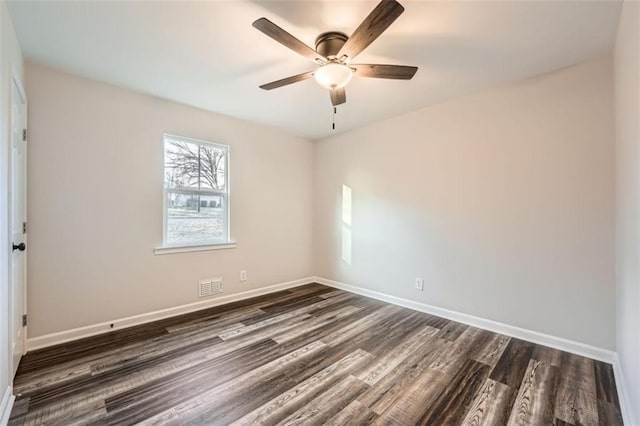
<point>172,247</point>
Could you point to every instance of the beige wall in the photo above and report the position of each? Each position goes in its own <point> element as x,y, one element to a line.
<point>627,108</point>
<point>10,58</point>
<point>95,203</point>
<point>502,201</point>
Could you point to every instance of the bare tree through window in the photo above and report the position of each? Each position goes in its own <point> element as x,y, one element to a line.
<point>194,165</point>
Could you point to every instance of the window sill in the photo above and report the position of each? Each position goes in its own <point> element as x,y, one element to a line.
<point>194,247</point>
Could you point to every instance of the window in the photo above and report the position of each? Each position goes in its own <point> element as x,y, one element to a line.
<point>196,191</point>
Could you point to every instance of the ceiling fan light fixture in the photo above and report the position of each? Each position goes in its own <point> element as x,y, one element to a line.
<point>333,75</point>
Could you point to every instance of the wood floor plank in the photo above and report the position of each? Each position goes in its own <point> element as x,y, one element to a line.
<point>607,394</point>
<point>491,406</point>
<point>367,337</point>
<point>492,349</point>
<point>396,355</point>
<point>452,331</point>
<point>513,363</point>
<point>292,303</point>
<point>116,381</point>
<point>239,316</point>
<point>157,349</point>
<point>354,414</point>
<point>52,394</point>
<point>314,323</point>
<point>57,373</point>
<point>395,334</point>
<point>307,306</point>
<point>152,397</point>
<point>287,403</point>
<point>333,352</point>
<point>576,400</point>
<point>453,403</point>
<point>235,407</point>
<point>336,302</point>
<point>534,404</point>
<point>363,325</point>
<point>609,414</point>
<point>416,400</point>
<point>323,407</point>
<point>436,322</point>
<point>244,329</point>
<point>605,382</point>
<point>85,347</point>
<point>391,389</point>
<point>332,293</point>
<point>463,348</point>
<point>310,355</point>
<point>547,355</point>
<point>205,404</point>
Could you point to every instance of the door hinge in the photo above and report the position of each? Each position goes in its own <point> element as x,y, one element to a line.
<point>24,135</point>
<point>24,320</point>
<point>24,227</point>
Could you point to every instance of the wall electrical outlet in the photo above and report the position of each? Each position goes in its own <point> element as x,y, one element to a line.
<point>243,275</point>
<point>420,284</point>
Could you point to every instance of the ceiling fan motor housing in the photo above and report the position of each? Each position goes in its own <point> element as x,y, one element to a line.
<point>329,44</point>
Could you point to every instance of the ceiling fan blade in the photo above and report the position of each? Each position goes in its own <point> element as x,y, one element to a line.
<point>338,96</point>
<point>286,81</point>
<point>283,37</point>
<point>397,72</point>
<point>370,29</point>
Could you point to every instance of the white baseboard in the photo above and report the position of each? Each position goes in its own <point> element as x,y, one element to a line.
<point>105,327</point>
<point>6,404</point>
<point>623,394</point>
<point>494,326</point>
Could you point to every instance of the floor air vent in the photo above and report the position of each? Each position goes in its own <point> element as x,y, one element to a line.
<point>210,287</point>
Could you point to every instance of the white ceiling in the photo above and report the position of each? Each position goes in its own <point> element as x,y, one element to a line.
<point>208,55</point>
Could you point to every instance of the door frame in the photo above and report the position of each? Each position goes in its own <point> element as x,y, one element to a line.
<point>17,81</point>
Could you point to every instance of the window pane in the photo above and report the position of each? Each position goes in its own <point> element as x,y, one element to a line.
<point>181,164</point>
<point>212,161</point>
<point>195,218</point>
<point>193,165</point>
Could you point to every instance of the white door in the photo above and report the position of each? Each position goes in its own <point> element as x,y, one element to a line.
<point>18,222</point>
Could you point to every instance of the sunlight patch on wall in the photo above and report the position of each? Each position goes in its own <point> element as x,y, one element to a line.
<point>346,224</point>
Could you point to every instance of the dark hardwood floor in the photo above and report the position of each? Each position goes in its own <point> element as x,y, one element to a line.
<point>311,355</point>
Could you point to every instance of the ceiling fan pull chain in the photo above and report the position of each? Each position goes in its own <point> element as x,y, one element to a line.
<point>334,117</point>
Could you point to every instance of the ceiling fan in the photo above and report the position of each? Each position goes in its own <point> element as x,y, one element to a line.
<point>335,50</point>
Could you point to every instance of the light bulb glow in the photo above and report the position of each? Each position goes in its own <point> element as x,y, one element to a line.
<point>333,75</point>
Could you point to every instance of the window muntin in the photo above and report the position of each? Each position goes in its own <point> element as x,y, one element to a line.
<point>196,205</point>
